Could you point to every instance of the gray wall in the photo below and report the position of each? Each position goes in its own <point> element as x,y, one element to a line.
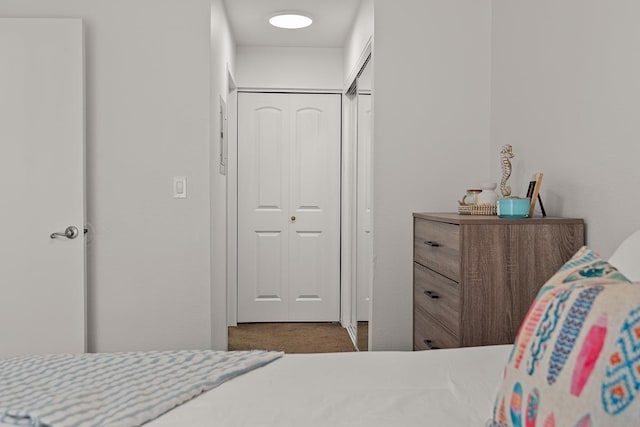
<point>289,68</point>
<point>431,135</point>
<point>222,59</point>
<point>147,80</point>
<point>565,94</point>
<point>557,80</point>
<point>361,32</point>
<point>454,81</point>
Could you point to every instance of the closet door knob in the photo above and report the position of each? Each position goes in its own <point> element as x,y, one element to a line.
<point>293,218</point>
<point>432,244</point>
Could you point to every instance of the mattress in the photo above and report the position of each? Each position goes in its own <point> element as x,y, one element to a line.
<point>428,388</point>
<point>453,387</point>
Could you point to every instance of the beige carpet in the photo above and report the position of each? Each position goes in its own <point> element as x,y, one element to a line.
<point>363,336</point>
<point>290,337</point>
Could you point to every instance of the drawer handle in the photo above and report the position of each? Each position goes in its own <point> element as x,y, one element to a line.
<point>432,244</point>
<point>431,345</point>
<point>431,294</point>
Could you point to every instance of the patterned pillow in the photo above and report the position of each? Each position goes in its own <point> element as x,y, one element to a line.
<point>585,264</point>
<point>576,360</point>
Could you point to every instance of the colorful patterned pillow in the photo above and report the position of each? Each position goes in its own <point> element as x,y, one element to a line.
<point>585,264</point>
<point>576,360</point>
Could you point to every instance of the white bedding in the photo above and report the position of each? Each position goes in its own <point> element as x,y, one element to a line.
<point>428,388</point>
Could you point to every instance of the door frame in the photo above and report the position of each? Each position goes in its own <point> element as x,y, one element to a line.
<point>232,191</point>
<point>347,215</point>
<point>350,188</point>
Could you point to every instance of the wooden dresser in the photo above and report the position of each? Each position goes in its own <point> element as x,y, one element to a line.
<point>474,277</point>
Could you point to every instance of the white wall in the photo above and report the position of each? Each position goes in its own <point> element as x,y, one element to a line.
<point>289,68</point>
<point>147,79</point>
<point>431,135</point>
<point>565,94</point>
<point>361,31</point>
<point>560,80</point>
<point>223,56</point>
<point>354,47</point>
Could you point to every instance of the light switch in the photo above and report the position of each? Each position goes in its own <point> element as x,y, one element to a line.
<point>179,187</point>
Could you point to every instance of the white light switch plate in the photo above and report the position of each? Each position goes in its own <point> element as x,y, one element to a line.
<point>179,187</point>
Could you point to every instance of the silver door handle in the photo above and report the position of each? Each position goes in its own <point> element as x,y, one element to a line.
<point>71,232</point>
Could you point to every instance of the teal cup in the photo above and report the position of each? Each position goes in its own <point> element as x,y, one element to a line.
<point>513,207</point>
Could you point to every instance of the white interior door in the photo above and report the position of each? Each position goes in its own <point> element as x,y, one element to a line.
<point>364,207</point>
<point>42,279</point>
<point>288,207</point>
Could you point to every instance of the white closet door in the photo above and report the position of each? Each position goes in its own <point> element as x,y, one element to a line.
<point>263,207</point>
<point>314,236</point>
<point>42,279</point>
<point>288,207</point>
<point>364,205</point>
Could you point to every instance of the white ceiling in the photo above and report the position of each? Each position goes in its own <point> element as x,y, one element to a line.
<point>332,21</point>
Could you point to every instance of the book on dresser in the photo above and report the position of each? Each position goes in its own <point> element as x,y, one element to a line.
<point>474,277</point>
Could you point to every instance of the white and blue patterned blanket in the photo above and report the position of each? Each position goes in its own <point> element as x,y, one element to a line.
<point>119,389</point>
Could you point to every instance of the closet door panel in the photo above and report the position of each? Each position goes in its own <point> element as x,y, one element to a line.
<point>315,202</point>
<point>263,205</point>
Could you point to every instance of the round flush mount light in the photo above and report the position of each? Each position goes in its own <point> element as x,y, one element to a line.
<point>290,21</point>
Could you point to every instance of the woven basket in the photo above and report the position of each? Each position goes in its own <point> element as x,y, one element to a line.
<point>484,209</point>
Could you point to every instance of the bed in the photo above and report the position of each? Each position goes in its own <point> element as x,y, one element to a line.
<point>455,387</point>
<point>355,389</point>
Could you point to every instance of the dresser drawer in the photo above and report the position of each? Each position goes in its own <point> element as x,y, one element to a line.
<point>437,246</point>
<point>438,296</point>
<point>429,335</point>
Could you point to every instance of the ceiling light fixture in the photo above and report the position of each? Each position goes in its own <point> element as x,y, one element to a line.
<point>290,21</point>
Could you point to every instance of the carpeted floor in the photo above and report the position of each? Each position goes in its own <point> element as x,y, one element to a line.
<point>292,337</point>
<point>363,336</point>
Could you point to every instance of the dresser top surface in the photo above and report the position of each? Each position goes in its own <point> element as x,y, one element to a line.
<point>454,218</point>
